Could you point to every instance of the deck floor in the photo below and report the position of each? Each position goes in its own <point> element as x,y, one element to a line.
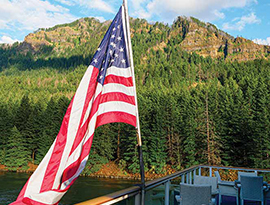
<point>226,200</point>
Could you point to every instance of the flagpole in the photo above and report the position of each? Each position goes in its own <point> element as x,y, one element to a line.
<point>139,139</point>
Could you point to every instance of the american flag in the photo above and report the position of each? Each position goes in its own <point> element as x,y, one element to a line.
<point>106,94</point>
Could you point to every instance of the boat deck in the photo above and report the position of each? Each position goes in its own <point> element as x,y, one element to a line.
<point>227,200</point>
<point>161,191</point>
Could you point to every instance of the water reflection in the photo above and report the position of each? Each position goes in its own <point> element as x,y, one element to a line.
<point>84,188</point>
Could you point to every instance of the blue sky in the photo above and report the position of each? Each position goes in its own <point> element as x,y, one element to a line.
<point>246,18</point>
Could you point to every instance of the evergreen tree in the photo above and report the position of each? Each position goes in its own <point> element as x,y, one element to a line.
<point>23,113</point>
<point>5,128</point>
<point>33,130</point>
<point>17,154</point>
<point>261,126</point>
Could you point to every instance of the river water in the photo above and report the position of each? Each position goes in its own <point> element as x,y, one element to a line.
<point>83,189</point>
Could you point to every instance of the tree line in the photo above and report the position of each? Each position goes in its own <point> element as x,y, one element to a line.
<point>214,120</point>
<point>192,109</point>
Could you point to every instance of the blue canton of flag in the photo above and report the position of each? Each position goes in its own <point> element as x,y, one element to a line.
<point>112,50</point>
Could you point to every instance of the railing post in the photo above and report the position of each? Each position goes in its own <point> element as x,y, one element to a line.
<point>256,172</point>
<point>183,178</point>
<point>137,199</point>
<point>194,174</point>
<point>200,171</point>
<point>167,193</point>
<point>190,177</point>
<point>187,178</point>
<point>210,171</point>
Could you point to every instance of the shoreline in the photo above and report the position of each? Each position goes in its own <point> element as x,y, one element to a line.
<point>91,175</point>
<point>102,173</point>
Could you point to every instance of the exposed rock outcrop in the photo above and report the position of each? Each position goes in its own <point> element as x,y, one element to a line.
<point>189,33</point>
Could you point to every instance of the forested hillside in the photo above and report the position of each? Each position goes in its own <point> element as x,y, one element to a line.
<point>193,108</point>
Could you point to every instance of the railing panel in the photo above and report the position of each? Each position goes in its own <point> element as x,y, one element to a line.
<point>158,191</point>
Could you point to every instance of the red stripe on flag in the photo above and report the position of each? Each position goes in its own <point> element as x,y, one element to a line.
<point>110,117</point>
<point>118,79</point>
<point>56,156</point>
<point>29,201</point>
<point>90,93</point>
<point>72,169</point>
<point>117,96</point>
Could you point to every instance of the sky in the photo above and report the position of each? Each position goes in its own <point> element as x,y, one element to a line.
<point>247,18</point>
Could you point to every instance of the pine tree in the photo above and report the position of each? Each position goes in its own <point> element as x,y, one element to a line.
<point>189,131</point>
<point>33,130</point>
<point>5,128</point>
<point>17,154</point>
<point>50,124</point>
<point>23,113</point>
<point>261,126</point>
<point>44,144</point>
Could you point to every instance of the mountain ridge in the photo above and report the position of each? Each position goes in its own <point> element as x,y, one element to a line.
<point>189,33</point>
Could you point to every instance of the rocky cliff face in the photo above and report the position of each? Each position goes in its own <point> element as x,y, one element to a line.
<point>62,37</point>
<point>190,34</point>
<point>206,40</point>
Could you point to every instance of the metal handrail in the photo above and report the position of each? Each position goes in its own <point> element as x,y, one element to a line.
<point>113,197</point>
<point>135,190</point>
<point>235,168</point>
<point>126,193</point>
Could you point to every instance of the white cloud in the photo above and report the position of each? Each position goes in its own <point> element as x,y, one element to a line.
<point>167,10</point>
<point>100,18</point>
<point>32,14</point>
<point>262,41</point>
<point>240,23</point>
<point>67,2</point>
<point>100,5</point>
<point>97,4</point>
<point>7,40</point>
<point>219,14</point>
<point>138,7</point>
<point>141,13</point>
<point>136,4</point>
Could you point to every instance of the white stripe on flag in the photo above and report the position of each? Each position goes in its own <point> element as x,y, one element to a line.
<point>77,152</point>
<point>48,197</point>
<point>36,179</point>
<point>117,106</point>
<point>115,87</point>
<point>98,91</point>
<point>74,121</point>
<point>122,72</point>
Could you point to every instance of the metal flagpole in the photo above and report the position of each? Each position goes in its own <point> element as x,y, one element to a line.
<point>139,139</point>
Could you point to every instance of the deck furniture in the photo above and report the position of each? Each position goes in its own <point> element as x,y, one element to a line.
<point>191,194</point>
<point>217,175</point>
<point>210,181</point>
<point>226,188</point>
<point>157,196</point>
<point>266,194</point>
<point>252,188</point>
<point>252,174</point>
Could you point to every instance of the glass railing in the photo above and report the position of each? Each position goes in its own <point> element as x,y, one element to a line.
<point>162,190</point>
